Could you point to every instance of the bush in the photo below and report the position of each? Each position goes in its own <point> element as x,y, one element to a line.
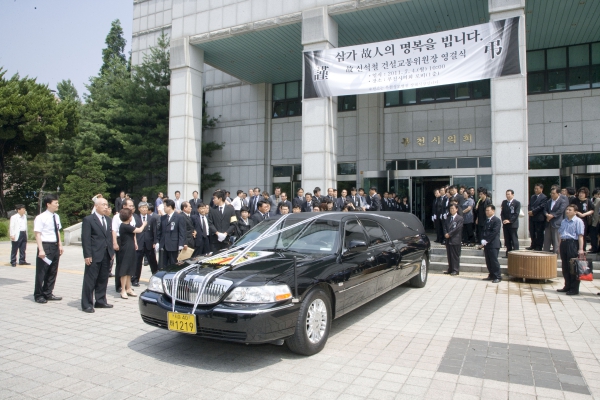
<point>4,228</point>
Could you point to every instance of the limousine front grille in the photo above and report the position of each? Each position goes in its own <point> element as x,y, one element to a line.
<point>187,290</point>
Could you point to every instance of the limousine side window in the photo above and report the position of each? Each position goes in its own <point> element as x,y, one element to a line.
<point>376,233</point>
<point>353,231</point>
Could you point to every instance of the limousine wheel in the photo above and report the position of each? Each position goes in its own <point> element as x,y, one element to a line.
<point>313,325</point>
<point>420,279</point>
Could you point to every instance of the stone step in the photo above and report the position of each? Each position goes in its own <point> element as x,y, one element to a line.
<point>76,243</point>
<point>481,268</point>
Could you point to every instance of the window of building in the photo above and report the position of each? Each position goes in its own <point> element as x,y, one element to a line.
<point>467,162</point>
<point>346,103</point>
<point>286,99</point>
<point>437,163</point>
<point>572,160</point>
<point>281,171</point>
<point>438,94</point>
<point>390,165</point>
<point>563,68</point>
<point>544,162</point>
<point>346,169</point>
<point>485,162</point>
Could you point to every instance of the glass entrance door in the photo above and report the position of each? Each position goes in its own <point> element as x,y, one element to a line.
<point>402,188</point>
<point>589,181</point>
<point>423,188</point>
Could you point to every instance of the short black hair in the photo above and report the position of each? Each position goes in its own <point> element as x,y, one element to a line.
<point>299,189</point>
<point>483,190</point>
<point>540,185</point>
<point>49,198</point>
<point>511,191</point>
<point>571,191</point>
<point>169,203</point>
<point>281,205</point>
<point>19,206</point>
<point>453,204</point>
<point>200,205</point>
<point>353,189</point>
<point>373,188</point>
<point>195,191</point>
<point>261,203</point>
<point>177,191</point>
<point>184,204</point>
<point>244,208</point>
<point>150,207</point>
<point>239,191</point>
<point>493,207</point>
<point>219,194</point>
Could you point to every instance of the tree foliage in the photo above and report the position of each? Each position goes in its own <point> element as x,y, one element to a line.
<point>115,45</point>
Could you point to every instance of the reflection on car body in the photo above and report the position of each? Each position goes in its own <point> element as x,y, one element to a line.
<point>289,277</point>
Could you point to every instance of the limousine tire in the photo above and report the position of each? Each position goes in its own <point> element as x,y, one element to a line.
<point>420,279</point>
<point>313,325</point>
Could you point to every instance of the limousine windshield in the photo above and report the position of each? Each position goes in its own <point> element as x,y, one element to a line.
<point>316,237</point>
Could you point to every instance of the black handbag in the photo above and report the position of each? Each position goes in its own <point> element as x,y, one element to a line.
<point>582,268</point>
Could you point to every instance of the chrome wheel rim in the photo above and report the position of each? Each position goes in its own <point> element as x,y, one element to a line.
<point>316,321</point>
<point>423,270</point>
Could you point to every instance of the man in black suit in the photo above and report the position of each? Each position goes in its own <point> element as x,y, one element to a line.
<point>354,198</point>
<point>537,219</point>
<point>490,240</point>
<point>480,213</point>
<point>555,213</point>
<point>146,241</point>
<point>307,205</point>
<point>437,212</point>
<point>285,201</point>
<point>200,220</point>
<point>194,202</point>
<point>97,244</point>
<point>221,222</point>
<point>453,226</point>
<point>171,236</point>
<point>454,196</point>
<point>253,200</point>
<point>373,200</point>
<point>119,202</point>
<point>509,215</point>
<point>299,199</point>
<point>186,209</point>
<point>263,212</point>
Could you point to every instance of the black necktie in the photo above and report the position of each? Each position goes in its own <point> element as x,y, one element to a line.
<point>265,216</point>
<point>144,218</point>
<point>221,210</point>
<point>103,223</point>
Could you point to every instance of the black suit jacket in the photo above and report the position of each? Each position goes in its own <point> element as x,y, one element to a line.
<point>538,206</point>
<point>243,227</point>
<point>453,229</point>
<point>171,235</point>
<point>96,241</point>
<point>189,230</point>
<point>194,204</point>
<point>147,237</point>
<point>438,207</point>
<point>374,202</point>
<point>297,201</point>
<point>252,203</point>
<point>258,217</point>
<point>221,222</point>
<point>307,207</point>
<point>491,233</point>
<point>510,213</point>
<point>201,241</point>
<point>459,199</point>
<point>119,204</point>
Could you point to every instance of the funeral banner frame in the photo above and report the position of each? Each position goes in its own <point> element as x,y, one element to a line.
<point>467,54</point>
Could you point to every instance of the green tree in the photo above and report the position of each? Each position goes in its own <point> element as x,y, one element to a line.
<point>66,91</point>
<point>86,180</point>
<point>31,118</point>
<point>115,46</point>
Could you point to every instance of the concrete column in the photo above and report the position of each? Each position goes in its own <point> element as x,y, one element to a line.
<point>509,121</point>
<point>319,115</point>
<point>185,118</point>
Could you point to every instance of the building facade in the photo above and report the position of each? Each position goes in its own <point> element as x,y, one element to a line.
<point>244,59</point>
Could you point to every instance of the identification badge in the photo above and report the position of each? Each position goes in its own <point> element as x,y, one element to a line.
<point>512,209</point>
<point>454,225</point>
<point>172,226</point>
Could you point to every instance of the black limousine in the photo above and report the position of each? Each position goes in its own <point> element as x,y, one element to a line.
<point>289,277</point>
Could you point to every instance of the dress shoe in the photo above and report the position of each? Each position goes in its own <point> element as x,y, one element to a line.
<point>102,305</point>
<point>135,284</point>
<point>446,272</point>
<point>41,300</point>
<point>563,290</point>
<point>13,265</point>
<point>528,248</point>
<point>88,310</point>
<point>572,293</point>
<point>497,281</point>
<point>453,273</point>
<point>24,263</point>
<point>111,275</point>
<point>145,263</point>
<point>489,278</point>
<point>53,298</point>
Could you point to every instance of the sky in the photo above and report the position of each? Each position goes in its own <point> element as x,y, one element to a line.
<point>54,40</point>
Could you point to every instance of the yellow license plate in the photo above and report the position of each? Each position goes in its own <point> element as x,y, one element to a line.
<point>185,323</point>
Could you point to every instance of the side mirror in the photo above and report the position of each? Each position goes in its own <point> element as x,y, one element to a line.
<point>356,246</point>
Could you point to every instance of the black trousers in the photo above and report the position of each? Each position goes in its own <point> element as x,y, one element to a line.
<point>21,245</point>
<point>139,261</point>
<point>45,275</point>
<point>468,235</point>
<point>491,262</point>
<point>95,282</point>
<point>511,238</point>
<point>453,253</point>
<point>538,234</point>
<point>594,237</point>
<point>169,257</point>
<point>480,229</point>
<point>439,230</point>
<point>216,247</point>
<point>568,250</point>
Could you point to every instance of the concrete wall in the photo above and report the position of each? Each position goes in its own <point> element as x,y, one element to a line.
<point>567,122</point>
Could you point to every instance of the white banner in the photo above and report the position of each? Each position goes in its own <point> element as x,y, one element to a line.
<point>467,54</point>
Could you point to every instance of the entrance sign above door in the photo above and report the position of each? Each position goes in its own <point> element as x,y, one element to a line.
<point>467,54</point>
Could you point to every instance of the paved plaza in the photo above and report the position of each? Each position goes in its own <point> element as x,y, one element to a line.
<point>458,338</point>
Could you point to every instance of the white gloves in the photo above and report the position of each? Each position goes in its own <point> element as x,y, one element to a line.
<point>483,242</point>
<point>221,236</point>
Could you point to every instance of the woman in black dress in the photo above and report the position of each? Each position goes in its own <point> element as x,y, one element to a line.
<point>126,257</point>
<point>404,206</point>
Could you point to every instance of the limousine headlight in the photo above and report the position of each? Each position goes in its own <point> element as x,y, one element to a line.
<point>156,284</point>
<point>259,294</point>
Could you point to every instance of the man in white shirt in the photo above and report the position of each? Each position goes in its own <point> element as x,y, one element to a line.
<point>46,227</point>
<point>18,235</point>
<point>238,202</point>
<point>178,201</point>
